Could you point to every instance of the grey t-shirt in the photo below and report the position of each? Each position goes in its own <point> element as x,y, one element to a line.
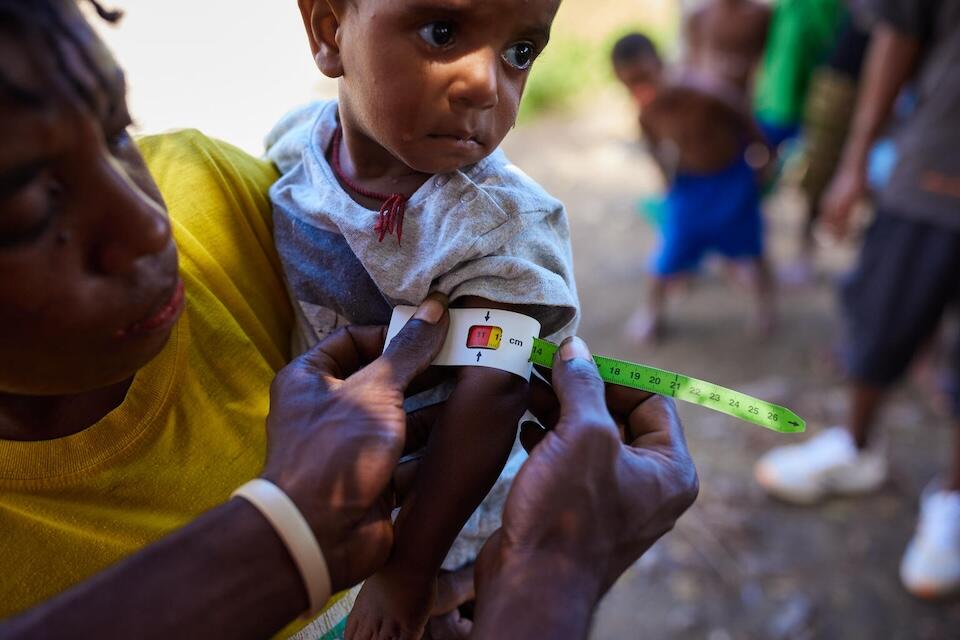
<point>487,230</point>
<point>926,181</point>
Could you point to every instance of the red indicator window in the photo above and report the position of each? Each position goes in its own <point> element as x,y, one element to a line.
<point>484,337</point>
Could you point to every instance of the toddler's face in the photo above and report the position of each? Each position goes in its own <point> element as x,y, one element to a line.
<point>641,78</point>
<point>437,83</point>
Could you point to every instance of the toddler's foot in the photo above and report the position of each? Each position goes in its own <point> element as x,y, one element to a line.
<point>391,607</point>
<point>644,327</point>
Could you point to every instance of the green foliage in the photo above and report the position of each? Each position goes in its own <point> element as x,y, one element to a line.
<point>565,69</point>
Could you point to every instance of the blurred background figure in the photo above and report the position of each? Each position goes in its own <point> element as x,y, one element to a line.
<point>697,126</point>
<point>726,38</point>
<point>830,103</point>
<point>905,280</point>
<point>801,32</point>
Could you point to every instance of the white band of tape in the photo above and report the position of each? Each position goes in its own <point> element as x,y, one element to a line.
<point>508,352</point>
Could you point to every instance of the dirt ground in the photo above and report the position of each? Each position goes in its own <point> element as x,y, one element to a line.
<point>739,564</point>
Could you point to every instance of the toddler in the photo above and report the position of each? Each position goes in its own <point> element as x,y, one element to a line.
<point>699,130</point>
<point>398,189</point>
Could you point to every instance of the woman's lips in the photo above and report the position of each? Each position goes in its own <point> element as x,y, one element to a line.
<point>162,319</point>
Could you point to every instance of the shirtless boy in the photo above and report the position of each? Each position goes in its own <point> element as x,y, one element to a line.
<point>699,130</point>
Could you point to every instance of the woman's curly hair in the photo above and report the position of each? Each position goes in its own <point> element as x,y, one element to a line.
<point>44,18</point>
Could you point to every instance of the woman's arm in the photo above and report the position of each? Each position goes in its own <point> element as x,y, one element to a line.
<point>228,573</point>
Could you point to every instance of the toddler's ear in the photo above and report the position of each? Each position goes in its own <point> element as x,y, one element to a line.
<point>321,18</point>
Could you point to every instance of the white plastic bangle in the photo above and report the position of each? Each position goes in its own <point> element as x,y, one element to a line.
<point>277,507</point>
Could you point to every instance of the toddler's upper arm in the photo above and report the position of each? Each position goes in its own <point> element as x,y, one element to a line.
<point>486,384</point>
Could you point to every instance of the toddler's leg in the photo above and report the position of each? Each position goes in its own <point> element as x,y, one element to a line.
<point>466,452</point>
<point>646,323</point>
<point>762,288</point>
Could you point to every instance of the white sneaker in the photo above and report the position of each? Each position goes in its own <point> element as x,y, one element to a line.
<point>828,463</point>
<point>931,565</point>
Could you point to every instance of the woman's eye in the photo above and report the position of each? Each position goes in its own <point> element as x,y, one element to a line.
<point>438,34</point>
<point>521,55</point>
<point>27,214</point>
<point>118,140</point>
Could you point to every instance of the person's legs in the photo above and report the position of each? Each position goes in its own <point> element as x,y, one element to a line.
<point>646,325</point>
<point>764,295</point>
<point>739,238</point>
<point>680,252</point>
<point>953,479</point>
<point>930,567</point>
<point>865,402</point>
<point>893,302</point>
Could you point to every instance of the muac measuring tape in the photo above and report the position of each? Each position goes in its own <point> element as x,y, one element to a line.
<point>503,340</point>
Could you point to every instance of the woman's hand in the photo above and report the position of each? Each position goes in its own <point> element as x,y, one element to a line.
<point>585,506</point>
<point>336,431</point>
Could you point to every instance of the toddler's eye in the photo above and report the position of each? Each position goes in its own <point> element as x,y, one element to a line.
<point>521,55</point>
<point>438,34</point>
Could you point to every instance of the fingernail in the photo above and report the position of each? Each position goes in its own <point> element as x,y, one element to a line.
<point>431,309</point>
<point>574,347</point>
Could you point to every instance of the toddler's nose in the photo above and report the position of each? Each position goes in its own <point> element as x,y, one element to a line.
<point>477,84</point>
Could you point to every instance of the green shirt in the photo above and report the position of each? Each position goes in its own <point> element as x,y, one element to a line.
<point>802,33</point>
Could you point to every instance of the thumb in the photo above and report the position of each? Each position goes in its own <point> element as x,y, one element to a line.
<point>578,386</point>
<point>413,349</point>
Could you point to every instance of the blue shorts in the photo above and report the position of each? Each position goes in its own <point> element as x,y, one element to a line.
<point>777,134</point>
<point>718,213</point>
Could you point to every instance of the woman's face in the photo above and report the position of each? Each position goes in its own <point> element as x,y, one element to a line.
<point>89,289</point>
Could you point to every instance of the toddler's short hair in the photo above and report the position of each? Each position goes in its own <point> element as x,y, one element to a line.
<point>633,47</point>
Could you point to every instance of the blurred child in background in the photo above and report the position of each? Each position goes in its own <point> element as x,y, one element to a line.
<point>699,128</point>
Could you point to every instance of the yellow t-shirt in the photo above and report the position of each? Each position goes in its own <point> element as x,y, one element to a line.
<point>191,428</point>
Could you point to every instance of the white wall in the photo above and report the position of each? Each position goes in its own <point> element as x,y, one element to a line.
<point>230,68</point>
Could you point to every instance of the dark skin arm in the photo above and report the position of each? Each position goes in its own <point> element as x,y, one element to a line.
<point>891,61</point>
<point>609,478</point>
<point>334,437</point>
<point>464,456</point>
<point>226,573</point>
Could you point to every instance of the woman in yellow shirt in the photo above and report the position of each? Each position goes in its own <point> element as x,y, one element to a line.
<point>138,347</point>
<point>134,378</point>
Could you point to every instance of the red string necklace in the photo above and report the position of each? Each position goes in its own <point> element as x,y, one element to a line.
<point>394,205</point>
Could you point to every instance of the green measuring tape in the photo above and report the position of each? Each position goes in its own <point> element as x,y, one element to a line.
<point>706,394</point>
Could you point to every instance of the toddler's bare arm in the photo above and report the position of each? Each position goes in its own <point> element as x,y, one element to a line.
<point>464,457</point>
<point>465,454</point>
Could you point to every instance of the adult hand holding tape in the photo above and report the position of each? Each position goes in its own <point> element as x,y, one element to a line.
<point>337,412</point>
<point>611,476</point>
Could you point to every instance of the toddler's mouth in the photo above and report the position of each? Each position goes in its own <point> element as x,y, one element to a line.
<point>459,138</point>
